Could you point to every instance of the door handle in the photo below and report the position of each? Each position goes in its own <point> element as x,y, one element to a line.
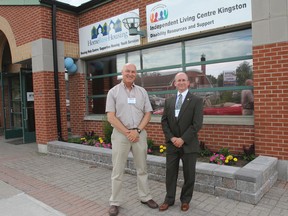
<point>26,114</point>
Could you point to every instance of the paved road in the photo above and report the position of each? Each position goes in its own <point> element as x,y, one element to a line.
<point>37,184</point>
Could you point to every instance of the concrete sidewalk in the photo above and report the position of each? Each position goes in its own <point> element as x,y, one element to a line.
<point>37,184</point>
<point>14,202</point>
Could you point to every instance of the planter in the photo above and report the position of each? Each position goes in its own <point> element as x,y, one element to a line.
<point>247,184</point>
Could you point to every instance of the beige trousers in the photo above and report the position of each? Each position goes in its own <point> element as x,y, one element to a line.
<point>121,147</point>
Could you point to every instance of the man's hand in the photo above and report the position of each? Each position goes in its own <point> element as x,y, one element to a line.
<point>132,135</point>
<point>177,142</point>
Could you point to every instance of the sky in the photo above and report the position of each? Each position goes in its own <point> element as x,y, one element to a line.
<point>74,2</point>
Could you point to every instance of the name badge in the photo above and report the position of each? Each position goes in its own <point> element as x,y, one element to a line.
<point>177,112</point>
<point>131,100</point>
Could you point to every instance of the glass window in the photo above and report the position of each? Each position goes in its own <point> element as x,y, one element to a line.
<point>99,85</point>
<point>157,80</point>
<point>134,57</point>
<point>222,46</point>
<point>217,67</point>
<point>232,73</point>
<point>121,60</point>
<point>162,56</point>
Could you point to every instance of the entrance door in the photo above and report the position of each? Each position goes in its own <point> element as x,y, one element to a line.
<point>27,94</point>
<point>11,100</point>
<point>18,105</point>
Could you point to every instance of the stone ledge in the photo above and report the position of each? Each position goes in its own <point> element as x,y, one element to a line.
<point>247,184</point>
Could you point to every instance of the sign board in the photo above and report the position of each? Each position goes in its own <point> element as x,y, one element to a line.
<point>167,19</point>
<point>30,96</point>
<point>107,35</point>
<point>229,78</point>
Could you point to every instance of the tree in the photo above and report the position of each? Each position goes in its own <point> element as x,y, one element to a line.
<point>212,80</point>
<point>243,72</point>
<point>220,80</point>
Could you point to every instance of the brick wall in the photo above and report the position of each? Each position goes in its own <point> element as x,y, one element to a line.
<point>77,103</point>
<point>45,108</point>
<point>232,136</point>
<point>215,137</point>
<point>30,23</point>
<point>270,66</point>
<point>96,126</point>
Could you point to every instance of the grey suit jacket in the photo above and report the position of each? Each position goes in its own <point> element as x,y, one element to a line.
<point>186,126</point>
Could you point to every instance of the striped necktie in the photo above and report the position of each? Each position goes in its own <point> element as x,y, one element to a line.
<point>179,102</point>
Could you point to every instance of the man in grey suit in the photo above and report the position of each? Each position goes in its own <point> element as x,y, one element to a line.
<point>181,120</point>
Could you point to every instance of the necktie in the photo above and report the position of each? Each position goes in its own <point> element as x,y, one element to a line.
<point>179,102</point>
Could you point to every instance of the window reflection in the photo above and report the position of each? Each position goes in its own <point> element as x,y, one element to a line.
<point>214,75</point>
<point>157,83</point>
<point>222,46</point>
<point>134,57</point>
<point>162,56</point>
<point>205,75</point>
<point>222,103</point>
<point>215,102</point>
<point>157,80</point>
<point>120,59</point>
<point>97,85</point>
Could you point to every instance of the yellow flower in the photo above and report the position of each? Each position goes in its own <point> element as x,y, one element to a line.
<point>226,161</point>
<point>83,138</point>
<point>235,159</point>
<point>229,157</point>
<point>164,147</point>
<point>161,146</point>
<point>161,150</point>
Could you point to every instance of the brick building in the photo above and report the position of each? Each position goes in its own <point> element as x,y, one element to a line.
<point>37,35</point>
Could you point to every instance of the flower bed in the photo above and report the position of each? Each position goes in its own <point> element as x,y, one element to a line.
<point>223,157</point>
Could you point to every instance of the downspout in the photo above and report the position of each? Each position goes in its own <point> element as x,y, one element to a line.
<point>56,80</point>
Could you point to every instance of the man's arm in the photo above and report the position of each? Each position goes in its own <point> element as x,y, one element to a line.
<point>145,120</point>
<point>116,123</point>
<point>165,122</point>
<point>132,135</point>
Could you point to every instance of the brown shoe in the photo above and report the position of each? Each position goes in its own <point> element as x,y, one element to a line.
<point>151,203</point>
<point>164,206</point>
<point>114,210</point>
<point>184,206</point>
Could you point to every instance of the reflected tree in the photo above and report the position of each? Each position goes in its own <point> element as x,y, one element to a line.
<point>243,72</point>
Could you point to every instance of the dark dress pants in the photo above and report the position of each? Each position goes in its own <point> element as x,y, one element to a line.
<point>172,168</point>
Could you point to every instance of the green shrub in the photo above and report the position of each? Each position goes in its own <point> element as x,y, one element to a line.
<point>75,140</point>
<point>107,130</point>
<point>90,135</point>
<point>224,151</point>
<point>204,151</point>
<point>249,152</point>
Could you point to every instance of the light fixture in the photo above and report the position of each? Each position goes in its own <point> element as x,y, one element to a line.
<point>132,24</point>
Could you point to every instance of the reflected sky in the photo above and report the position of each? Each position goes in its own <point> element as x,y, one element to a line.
<point>221,46</point>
